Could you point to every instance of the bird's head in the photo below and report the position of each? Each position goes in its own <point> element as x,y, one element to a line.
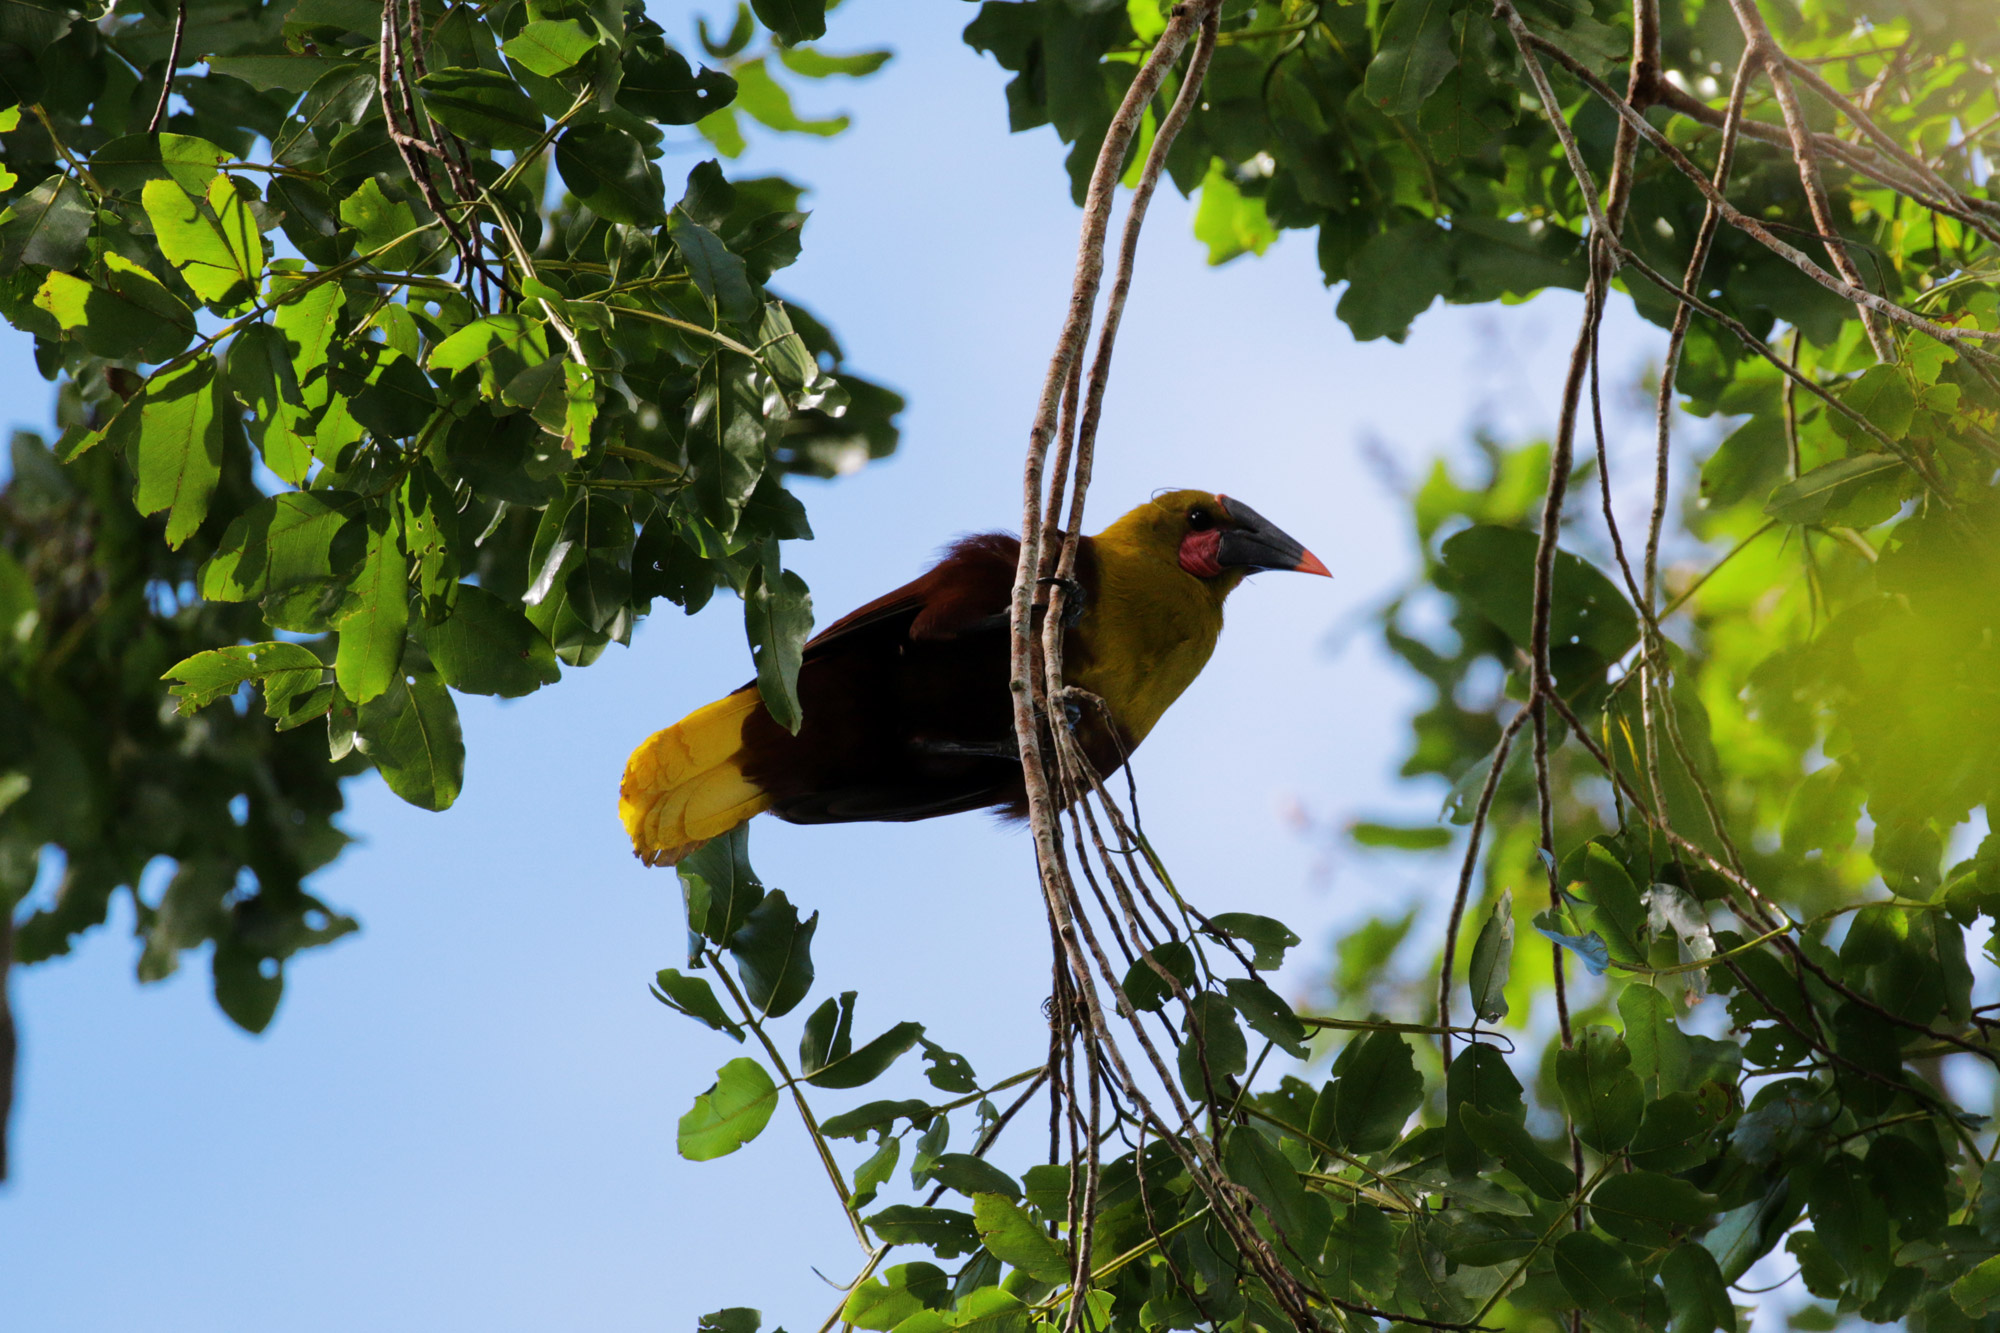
<point>1214,538</point>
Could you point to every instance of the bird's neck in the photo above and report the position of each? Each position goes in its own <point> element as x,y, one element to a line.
<point>1146,634</point>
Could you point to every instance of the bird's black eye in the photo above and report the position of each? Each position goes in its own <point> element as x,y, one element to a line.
<point>1200,520</point>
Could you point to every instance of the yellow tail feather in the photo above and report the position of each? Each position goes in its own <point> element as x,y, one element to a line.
<point>685,785</point>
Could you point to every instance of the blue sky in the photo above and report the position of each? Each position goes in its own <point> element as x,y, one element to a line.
<point>464,1116</point>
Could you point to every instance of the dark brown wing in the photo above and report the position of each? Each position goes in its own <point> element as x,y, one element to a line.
<point>907,713</point>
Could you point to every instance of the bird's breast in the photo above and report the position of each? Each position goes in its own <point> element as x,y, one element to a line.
<point>1139,652</point>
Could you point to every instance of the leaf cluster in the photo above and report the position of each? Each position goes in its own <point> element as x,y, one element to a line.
<point>392,370</point>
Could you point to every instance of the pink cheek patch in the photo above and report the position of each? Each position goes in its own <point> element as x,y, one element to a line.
<point>1198,551</point>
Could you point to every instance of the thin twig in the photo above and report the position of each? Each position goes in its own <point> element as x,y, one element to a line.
<point>1465,869</point>
<point>1806,155</point>
<point>173,62</point>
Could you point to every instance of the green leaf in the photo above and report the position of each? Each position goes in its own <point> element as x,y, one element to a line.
<point>292,72</point>
<point>308,317</point>
<point>874,1173</point>
<point>773,953</point>
<point>824,64</point>
<point>1377,1091</point>
<point>1013,1238</point>
<point>1361,1254</point>
<point>486,646</point>
<point>549,46</point>
<point>971,1175</point>
<point>1395,276</point>
<point>785,352</point>
<point>386,392</point>
<point>1478,1077</point>
<point>732,1112</point>
<point>1673,1135</point>
<point>172,434</point>
<point>1696,1293</point>
<point>1254,1162</point>
<point>765,100</point>
<point>372,630</point>
<point>792,21</point>
<point>382,228</point>
<point>720,887</point>
<point>946,1232</point>
<point>694,997</point>
<point>1146,988</point>
<point>1212,1046</point>
<point>47,226</point>
<point>1600,1089</point>
<point>1493,960</point>
<point>263,378</point>
<point>1590,623</point>
<point>283,668</point>
<point>735,1319</point>
<point>877,1117</point>
<point>607,169</point>
<point>1882,395</point>
<point>1507,1139</point>
<point>131,316</point>
<point>483,105</point>
<point>997,1310</point>
<point>211,239</point>
<point>778,620</point>
<point>659,84</point>
<point>725,440</point>
<point>1403,837</point>
<point>948,1071</point>
<point>868,1063</point>
<point>1267,1014</point>
<point>499,347</point>
<point>827,1058</point>
<point>1610,903</point>
<point>1660,1055</point>
<point>1648,1208</point>
<point>1267,937</point>
<point>1912,1181</point>
<point>1229,222</point>
<point>718,274</point>
<point>1414,56</point>
<point>1593,1272</point>
<point>299,538</point>
<point>882,1303</point>
<point>1852,1224</point>
<point>410,732</point>
<point>126,163</point>
<point>1810,498</point>
<point>1978,1292</point>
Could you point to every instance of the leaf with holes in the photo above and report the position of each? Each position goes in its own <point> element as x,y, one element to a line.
<point>410,732</point>
<point>282,668</point>
<point>1013,1238</point>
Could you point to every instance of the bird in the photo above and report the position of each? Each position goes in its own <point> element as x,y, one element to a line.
<point>905,702</point>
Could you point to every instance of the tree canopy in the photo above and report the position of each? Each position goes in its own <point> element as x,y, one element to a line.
<point>363,405</point>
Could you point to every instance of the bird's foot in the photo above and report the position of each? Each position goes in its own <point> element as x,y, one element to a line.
<point>1074,599</point>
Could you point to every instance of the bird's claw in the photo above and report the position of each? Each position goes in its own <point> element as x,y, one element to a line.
<point>1073,599</point>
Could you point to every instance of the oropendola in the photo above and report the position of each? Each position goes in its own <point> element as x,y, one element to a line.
<point>907,712</point>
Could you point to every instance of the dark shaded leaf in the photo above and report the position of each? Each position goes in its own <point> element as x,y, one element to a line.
<point>773,953</point>
<point>410,732</point>
<point>607,169</point>
<point>946,1232</point>
<point>693,997</point>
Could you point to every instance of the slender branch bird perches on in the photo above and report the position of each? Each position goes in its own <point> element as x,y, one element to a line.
<point>906,706</point>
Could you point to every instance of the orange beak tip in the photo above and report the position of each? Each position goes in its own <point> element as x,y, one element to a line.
<point>1312,565</point>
